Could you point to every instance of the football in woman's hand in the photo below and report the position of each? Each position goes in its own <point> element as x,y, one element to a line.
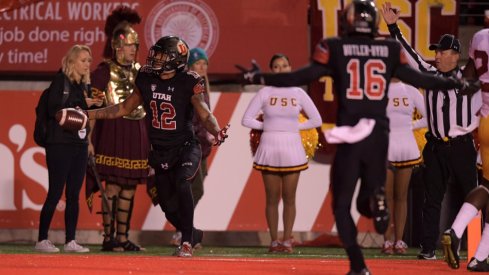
<point>71,119</point>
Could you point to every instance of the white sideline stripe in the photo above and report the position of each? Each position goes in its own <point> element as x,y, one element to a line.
<point>280,260</point>
<point>228,175</point>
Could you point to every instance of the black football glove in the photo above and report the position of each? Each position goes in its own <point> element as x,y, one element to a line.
<point>248,76</point>
<point>222,135</point>
<point>469,87</point>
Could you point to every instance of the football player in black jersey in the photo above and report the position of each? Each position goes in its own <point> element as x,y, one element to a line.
<point>361,67</point>
<point>170,95</point>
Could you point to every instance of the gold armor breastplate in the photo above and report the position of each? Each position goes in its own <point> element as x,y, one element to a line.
<point>121,85</point>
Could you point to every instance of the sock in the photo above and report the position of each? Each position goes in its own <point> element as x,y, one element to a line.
<point>483,249</point>
<point>464,216</point>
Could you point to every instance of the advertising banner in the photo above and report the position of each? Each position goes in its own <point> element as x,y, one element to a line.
<point>33,38</point>
<point>234,197</point>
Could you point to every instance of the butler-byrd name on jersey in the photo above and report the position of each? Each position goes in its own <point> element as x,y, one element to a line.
<point>161,96</point>
<point>365,50</point>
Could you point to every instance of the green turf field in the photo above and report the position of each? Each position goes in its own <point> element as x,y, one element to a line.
<point>255,252</point>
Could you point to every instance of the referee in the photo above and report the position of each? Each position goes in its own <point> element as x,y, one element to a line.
<point>449,152</point>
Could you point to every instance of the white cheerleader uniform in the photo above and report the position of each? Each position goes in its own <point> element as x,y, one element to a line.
<point>403,150</point>
<point>280,148</point>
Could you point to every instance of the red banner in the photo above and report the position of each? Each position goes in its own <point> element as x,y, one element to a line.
<point>234,196</point>
<point>6,5</point>
<point>35,37</point>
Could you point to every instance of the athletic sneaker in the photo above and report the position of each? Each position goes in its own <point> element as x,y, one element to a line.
<point>388,248</point>
<point>46,246</point>
<point>185,250</point>
<point>176,239</point>
<point>451,245</point>
<point>427,255</point>
<point>72,246</point>
<point>400,247</point>
<point>380,212</point>
<point>478,266</point>
<point>275,247</point>
<point>364,271</point>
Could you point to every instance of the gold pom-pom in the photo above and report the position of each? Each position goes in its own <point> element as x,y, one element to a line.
<point>310,138</point>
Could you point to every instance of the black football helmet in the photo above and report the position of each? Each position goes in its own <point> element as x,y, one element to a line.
<point>169,54</point>
<point>360,17</point>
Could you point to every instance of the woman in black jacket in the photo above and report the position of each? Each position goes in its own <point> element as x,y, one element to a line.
<point>66,151</point>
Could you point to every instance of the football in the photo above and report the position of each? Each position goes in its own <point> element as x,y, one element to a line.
<point>71,119</point>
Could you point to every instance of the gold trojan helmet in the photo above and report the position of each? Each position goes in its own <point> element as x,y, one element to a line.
<point>124,34</point>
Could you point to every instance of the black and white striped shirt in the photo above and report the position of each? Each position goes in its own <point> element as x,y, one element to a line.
<point>448,114</point>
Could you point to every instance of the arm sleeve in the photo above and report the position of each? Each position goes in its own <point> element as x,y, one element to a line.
<point>425,80</point>
<point>249,118</point>
<point>302,76</point>
<point>311,112</point>
<point>413,58</point>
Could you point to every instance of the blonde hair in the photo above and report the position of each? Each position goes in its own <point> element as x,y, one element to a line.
<point>68,61</point>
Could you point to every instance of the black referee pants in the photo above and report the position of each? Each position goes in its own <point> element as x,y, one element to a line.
<point>455,159</point>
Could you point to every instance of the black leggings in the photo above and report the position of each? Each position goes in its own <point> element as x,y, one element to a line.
<point>66,164</point>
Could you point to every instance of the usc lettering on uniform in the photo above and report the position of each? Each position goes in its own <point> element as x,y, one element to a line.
<point>396,101</point>
<point>284,101</point>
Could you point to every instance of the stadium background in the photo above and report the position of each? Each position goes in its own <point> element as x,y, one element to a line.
<point>34,38</point>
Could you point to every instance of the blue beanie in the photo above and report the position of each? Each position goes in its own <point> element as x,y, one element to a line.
<point>197,54</point>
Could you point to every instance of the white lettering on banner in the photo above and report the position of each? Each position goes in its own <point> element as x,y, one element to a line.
<point>1,57</point>
<point>94,11</point>
<point>35,172</point>
<point>36,12</point>
<point>38,35</point>
<point>17,57</point>
<point>7,179</point>
<point>89,37</point>
<point>77,10</point>
<point>38,173</point>
<point>14,35</point>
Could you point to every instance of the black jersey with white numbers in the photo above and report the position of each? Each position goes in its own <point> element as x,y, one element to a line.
<point>363,69</point>
<point>168,106</point>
